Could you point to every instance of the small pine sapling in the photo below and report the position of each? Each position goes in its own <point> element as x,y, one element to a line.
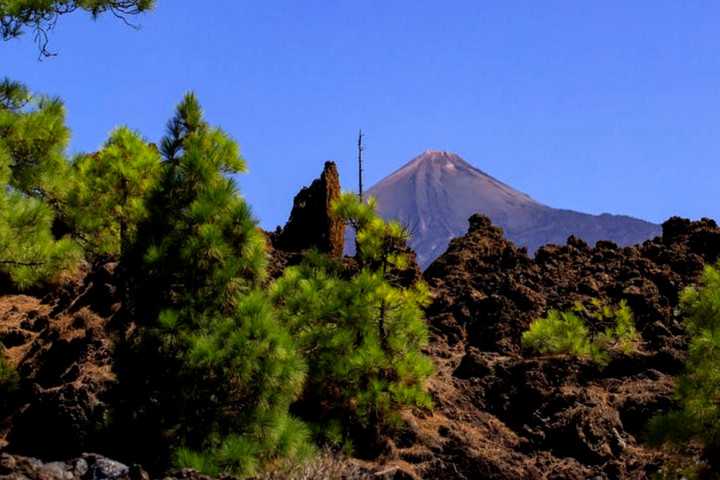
<point>568,332</point>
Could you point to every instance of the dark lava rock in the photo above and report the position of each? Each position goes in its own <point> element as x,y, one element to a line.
<point>62,349</point>
<point>518,416</point>
<point>311,223</point>
<point>492,290</point>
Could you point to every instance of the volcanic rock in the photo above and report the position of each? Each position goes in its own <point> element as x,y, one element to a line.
<point>501,412</point>
<point>62,349</point>
<point>311,223</point>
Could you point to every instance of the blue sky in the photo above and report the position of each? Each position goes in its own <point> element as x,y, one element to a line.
<point>609,106</point>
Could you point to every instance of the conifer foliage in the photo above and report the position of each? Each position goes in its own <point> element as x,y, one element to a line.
<point>32,140</point>
<point>33,136</point>
<point>361,334</point>
<point>109,193</point>
<point>698,389</point>
<point>198,260</point>
<point>607,329</point>
<point>200,237</point>
<point>40,16</point>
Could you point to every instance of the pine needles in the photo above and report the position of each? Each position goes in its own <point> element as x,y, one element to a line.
<point>698,388</point>
<point>568,333</point>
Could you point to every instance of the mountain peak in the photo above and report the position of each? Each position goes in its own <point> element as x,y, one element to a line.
<point>431,155</point>
<point>437,191</point>
<point>432,152</point>
<point>434,160</point>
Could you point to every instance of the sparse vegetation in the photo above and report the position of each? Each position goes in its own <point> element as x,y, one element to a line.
<point>611,329</point>
<point>559,332</point>
<point>8,382</point>
<point>325,465</point>
<point>698,389</point>
<point>8,376</point>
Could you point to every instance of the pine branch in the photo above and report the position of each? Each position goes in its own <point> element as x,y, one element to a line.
<point>17,263</point>
<point>42,18</point>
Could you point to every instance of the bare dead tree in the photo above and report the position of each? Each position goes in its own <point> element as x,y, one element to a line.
<point>360,148</point>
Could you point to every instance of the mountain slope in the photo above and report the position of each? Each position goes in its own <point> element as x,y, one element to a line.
<point>435,194</point>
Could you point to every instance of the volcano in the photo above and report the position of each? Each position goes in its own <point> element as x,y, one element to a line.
<point>435,194</point>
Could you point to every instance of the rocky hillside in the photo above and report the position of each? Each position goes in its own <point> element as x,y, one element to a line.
<point>500,413</point>
<point>504,414</point>
<point>62,344</point>
<point>435,193</point>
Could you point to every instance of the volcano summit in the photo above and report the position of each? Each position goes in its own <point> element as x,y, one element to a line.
<point>435,193</point>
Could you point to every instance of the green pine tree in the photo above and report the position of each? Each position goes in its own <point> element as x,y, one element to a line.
<point>30,158</point>
<point>201,237</point>
<point>361,334</point>
<point>698,388</point>
<point>559,332</point>
<point>225,371</point>
<point>33,136</point>
<point>592,332</point>
<point>108,196</point>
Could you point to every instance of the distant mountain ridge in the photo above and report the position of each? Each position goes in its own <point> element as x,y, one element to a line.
<point>436,192</point>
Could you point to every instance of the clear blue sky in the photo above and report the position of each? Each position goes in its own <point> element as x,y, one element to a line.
<point>598,106</point>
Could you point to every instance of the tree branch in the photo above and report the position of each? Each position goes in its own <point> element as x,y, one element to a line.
<point>17,263</point>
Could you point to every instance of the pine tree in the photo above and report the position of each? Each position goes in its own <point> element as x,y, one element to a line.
<point>34,137</point>
<point>29,161</point>
<point>588,332</point>
<point>361,334</point>
<point>109,192</point>
<point>559,332</point>
<point>225,370</point>
<point>698,388</point>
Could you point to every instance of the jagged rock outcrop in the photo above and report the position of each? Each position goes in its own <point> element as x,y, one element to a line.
<point>490,291</point>
<point>503,413</point>
<point>311,223</point>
